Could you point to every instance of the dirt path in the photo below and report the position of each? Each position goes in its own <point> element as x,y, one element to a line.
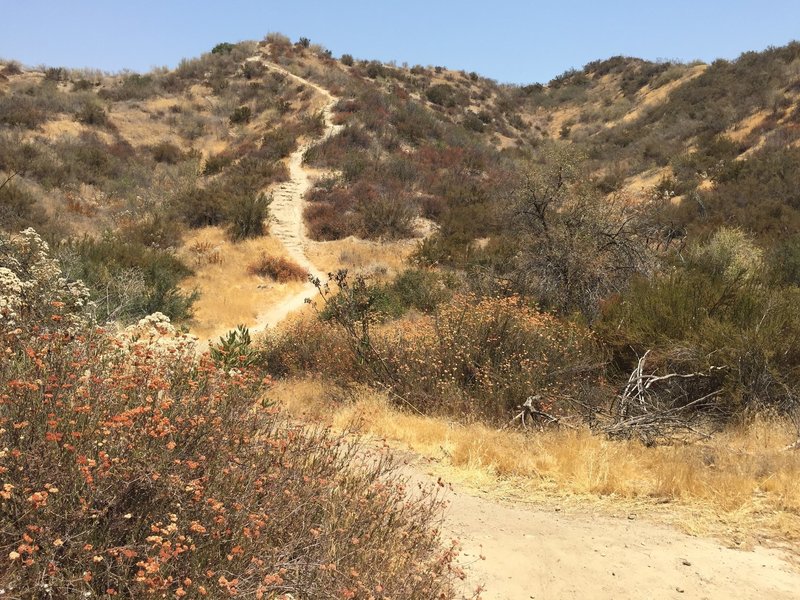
<point>286,210</point>
<point>541,554</point>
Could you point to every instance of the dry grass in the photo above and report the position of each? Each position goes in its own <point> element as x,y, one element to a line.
<point>229,294</point>
<point>638,186</point>
<point>740,484</point>
<point>361,255</point>
<point>69,127</point>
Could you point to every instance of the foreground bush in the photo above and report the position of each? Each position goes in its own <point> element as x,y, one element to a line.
<point>131,469</point>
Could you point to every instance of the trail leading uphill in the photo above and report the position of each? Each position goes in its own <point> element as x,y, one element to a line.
<point>287,205</point>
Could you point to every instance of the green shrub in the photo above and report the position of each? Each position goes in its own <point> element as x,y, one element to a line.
<point>718,310</point>
<point>92,113</point>
<point>347,60</point>
<point>222,48</point>
<point>200,207</point>
<point>241,115</point>
<point>442,94</point>
<point>128,280</point>
<point>247,214</point>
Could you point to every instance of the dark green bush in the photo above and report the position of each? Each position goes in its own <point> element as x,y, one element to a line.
<point>442,94</point>
<point>200,207</point>
<point>222,48</point>
<point>128,280</point>
<point>241,115</point>
<point>247,214</point>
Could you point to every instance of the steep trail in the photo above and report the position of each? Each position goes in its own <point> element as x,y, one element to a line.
<point>286,210</point>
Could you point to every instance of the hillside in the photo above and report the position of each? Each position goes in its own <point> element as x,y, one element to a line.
<point>582,292</point>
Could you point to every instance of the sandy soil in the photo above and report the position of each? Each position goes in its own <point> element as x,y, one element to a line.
<point>520,552</point>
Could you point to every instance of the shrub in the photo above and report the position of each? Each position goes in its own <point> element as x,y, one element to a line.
<point>166,152</point>
<point>278,268</point>
<point>222,48</point>
<point>471,358</point>
<point>21,110</point>
<point>200,207</point>
<point>217,162</point>
<point>12,67</point>
<point>91,113</point>
<point>253,70</point>
<point>278,143</point>
<point>347,60</point>
<point>18,208</point>
<point>247,213</point>
<point>127,279</point>
<point>139,506</point>
<point>717,310</point>
<point>57,74</point>
<point>132,87</point>
<point>442,94</point>
<point>34,291</point>
<point>241,115</point>
<point>386,215</point>
<point>327,222</point>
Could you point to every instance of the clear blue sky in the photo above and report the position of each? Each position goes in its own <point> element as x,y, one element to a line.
<point>509,40</point>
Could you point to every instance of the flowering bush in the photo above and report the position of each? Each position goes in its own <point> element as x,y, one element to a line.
<point>484,357</point>
<point>130,468</point>
<point>470,357</point>
<point>33,288</point>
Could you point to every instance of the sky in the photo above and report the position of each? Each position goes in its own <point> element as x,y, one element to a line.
<point>511,41</point>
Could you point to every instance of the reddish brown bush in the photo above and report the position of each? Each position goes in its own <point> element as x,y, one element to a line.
<point>278,268</point>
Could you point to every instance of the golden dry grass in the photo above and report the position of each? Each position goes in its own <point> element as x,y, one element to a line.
<point>740,484</point>
<point>361,255</point>
<point>229,294</point>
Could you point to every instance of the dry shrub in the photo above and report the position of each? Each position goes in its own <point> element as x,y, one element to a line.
<point>279,268</point>
<point>485,357</point>
<point>132,469</point>
<point>307,345</point>
<point>470,358</point>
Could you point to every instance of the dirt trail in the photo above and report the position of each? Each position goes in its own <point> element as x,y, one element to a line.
<point>286,210</point>
<point>532,553</point>
<point>536,553</point>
